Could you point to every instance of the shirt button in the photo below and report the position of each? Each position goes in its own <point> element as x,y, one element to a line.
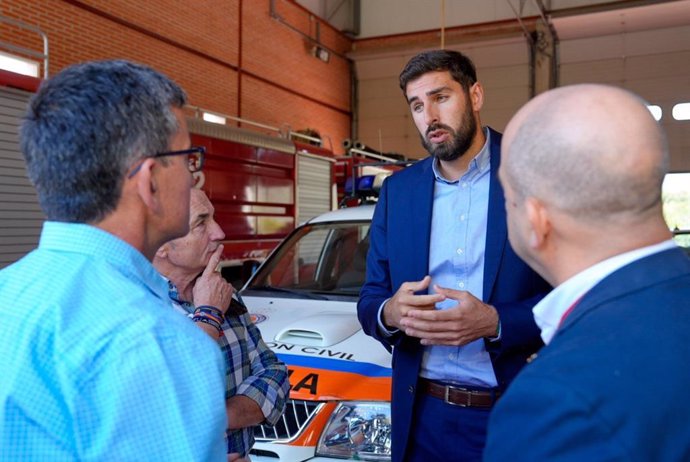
<point>464,185</point>
<point>460,252</point>
<point>462,217</point>
<point>411,389</point>
<point>461,285</point>
<point>451,356</point>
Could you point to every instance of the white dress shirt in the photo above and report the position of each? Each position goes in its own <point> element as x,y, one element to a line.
<point>550,310</point>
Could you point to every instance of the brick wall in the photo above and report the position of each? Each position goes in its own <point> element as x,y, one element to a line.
<point>254,66</point>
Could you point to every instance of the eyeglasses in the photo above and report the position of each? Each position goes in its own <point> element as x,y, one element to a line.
<point>195,158</point>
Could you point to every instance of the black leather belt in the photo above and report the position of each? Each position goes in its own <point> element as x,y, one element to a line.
<point>458,396</point>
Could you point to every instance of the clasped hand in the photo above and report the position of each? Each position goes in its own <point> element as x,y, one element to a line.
<point>417,316</point>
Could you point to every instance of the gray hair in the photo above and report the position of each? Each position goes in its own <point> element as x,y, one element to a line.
<point>589,167</point>
<point>85,128</point>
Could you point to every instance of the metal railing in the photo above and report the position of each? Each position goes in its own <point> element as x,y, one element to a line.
<point>285,132</point>
<point>27,51</point>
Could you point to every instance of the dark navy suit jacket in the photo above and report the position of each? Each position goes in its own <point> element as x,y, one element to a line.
<point>399,252</point>
<point>613,383</point>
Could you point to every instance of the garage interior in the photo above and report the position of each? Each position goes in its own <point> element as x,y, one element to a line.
<point>295,101</point>
<point>329,67</point>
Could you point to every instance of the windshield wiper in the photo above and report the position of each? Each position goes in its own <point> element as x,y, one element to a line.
<point>301,293</point>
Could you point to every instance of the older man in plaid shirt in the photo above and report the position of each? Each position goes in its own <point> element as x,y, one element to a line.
<point>257,382</point>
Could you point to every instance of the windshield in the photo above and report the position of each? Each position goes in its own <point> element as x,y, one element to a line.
<point>322,258</point>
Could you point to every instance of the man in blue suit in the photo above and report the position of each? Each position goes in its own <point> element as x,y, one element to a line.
<point>444,289</point>
<point>582,173</point>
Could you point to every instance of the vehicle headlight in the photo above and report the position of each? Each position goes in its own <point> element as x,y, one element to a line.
<point>358,430</point>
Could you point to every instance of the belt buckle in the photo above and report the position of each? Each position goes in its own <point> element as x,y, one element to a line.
<point>448,401</point>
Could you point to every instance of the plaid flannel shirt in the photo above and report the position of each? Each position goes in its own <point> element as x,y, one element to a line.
<point>252,370</point>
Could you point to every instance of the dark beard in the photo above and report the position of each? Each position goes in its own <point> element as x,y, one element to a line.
<point>459,142</point>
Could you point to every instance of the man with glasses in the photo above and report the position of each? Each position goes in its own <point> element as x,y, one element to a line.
<point>94,363</point>
<point>257,382</point>
<point>195,158</point>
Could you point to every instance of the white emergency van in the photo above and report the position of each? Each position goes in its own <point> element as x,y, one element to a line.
<point>303,299</point>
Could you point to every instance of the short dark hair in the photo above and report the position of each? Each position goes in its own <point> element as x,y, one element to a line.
<point>85,128</point>
<point>460,67</point>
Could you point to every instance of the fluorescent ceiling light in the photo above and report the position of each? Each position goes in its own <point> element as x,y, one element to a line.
<point>681,111</point>
<point>18,65</point>
<point>213,118</point>
<point>656,111</point>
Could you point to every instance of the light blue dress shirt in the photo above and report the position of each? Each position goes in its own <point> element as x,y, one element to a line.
<point>95,366</point>
<point>456,261</point>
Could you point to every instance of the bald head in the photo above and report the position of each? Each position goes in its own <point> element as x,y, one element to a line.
<point>591,151</point>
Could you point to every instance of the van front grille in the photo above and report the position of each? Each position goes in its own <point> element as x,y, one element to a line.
<point>297,415</point>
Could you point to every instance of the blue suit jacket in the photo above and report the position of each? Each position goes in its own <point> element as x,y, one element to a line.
<point>399,252</point>
<point>613,383</point>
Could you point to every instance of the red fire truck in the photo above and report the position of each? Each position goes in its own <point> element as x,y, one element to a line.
<point>261,186</point>
<point>262,182</point>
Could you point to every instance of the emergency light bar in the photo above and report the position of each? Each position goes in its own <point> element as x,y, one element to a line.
<point>367,185</point>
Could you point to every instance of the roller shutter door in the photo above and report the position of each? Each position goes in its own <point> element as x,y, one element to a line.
<point>21,217</point>
<point>654,63</point>
<point>314,186</point>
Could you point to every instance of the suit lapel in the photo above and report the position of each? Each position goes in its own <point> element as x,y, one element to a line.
<point>418,211</point>
<point>419,208</point>
<point>496,232</point>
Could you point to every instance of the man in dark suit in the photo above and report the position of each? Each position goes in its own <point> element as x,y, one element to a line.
<point>444,289</point>
<point>582,172</point>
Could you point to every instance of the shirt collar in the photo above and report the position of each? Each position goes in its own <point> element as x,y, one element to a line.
<point>173,293</point>
<point>549,311</point>
<point>478,165</point>
<point>92,241</point>
<point>178,303</point>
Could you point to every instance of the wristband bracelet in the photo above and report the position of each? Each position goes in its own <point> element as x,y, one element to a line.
<point>208,321</point>
<point>207,316</point>
<point>211,311</point>
<point>209,308</point>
